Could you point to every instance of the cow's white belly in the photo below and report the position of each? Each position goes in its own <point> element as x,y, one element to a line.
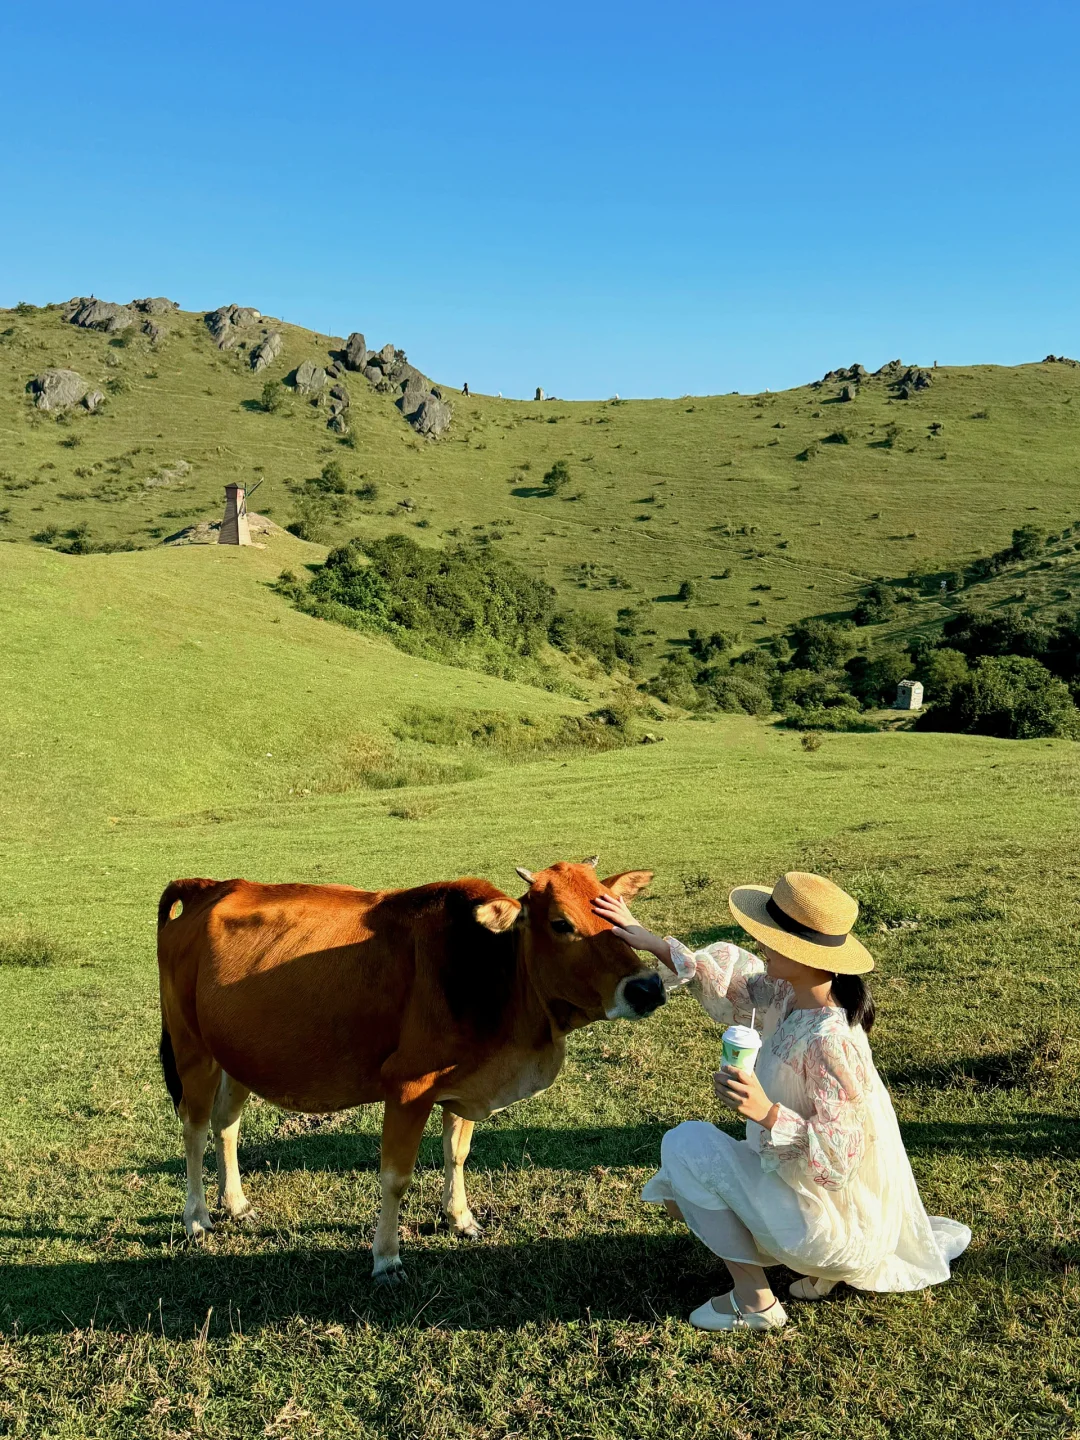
<point>486,1092</point>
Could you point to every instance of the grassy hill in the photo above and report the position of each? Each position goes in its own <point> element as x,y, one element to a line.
<point>661,491</point>
<point>163,712</point>
<point>137,727</point>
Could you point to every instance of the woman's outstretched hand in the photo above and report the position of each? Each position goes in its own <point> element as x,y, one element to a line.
<point>740,1090</point>
<point>617,913</point>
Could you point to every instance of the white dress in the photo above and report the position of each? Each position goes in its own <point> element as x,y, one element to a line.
<point>829,1190</point>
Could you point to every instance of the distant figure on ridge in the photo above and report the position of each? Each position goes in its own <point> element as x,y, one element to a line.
<point>465,388</point>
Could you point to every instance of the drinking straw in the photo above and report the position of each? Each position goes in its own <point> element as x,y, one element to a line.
<point>753,1012</point>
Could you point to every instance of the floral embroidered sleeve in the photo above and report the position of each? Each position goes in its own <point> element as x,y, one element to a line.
<point>729,983</point>
<point>832,1141</point>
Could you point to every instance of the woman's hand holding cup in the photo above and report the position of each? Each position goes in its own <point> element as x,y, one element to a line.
<point>740,1090</point>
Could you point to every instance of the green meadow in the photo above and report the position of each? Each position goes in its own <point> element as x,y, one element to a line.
<point>165,713</point>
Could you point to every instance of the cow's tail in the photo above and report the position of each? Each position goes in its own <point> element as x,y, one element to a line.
<point>184,891</point>
<point>173,1083</point>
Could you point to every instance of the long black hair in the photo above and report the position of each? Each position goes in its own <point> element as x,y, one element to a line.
<point>852,994</point>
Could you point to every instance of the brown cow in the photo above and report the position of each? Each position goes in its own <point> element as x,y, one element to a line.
<point>321,997</point>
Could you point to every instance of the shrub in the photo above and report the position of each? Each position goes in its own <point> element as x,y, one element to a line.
<point>876,605</point>
<point>557,478</point>
<point>814,689</point>
<point>874,678</point>
<point>735,693</point>
<point>368,492</point>
<point>820,644</point>
<point>687,590</point>
<point>832,717</point>
<point>1010,696</point>
<point>1001,632</point>
<point>330,480</point>
<point>811,741</point>
<point>706,647</point>
<point>1027,542</point>
<point>273,397</point>
<point>941,672</point>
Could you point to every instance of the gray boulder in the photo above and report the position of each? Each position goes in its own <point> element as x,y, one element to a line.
<point>333,370</point>
<point>100,315</point>
<point>224,323</point>
<point>416,391</point>
<point>355,351</point>
<point>849,392</point>
<point>385,357</point>
<point>433,417</point>
<point>309,379</point>
<point>338,423</point>
<point>266,351</point>
<point>155,305</point>
<point>340,396</point>
<point>373,374</point>
<point>151,331</point>
<point>92,399</point>
<point>57,389</point>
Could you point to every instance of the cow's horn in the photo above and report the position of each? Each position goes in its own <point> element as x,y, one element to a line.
<point>526,875</point>
<point>592,861</point>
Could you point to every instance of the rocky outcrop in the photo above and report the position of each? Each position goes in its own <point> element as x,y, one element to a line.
<point>309,378</point>
<point>266,351</point>
<point>91,314</point>
<point>355,351</point>
<point>155,305</point>
<point>58,389</point>
<point>92,399</point>
<point>1059,360</point>
<point>433,418</point>
<point>415,391</point>
<point>226,322</point>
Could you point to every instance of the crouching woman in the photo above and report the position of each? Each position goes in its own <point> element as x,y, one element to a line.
<point>822,1182</point>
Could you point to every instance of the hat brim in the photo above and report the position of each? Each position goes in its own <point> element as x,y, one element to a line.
<point>747,904</point>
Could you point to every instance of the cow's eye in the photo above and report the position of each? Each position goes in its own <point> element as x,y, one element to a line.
<point>562,927</point>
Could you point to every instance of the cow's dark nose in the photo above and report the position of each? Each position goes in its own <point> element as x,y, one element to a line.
<point>644,993</point>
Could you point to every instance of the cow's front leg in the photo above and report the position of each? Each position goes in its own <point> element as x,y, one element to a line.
<point>403,1125</point>
<point>456,1142</point>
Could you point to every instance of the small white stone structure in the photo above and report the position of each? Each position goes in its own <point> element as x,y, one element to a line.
<point>908,695</point>
<point>539,394</point>
<point>234,525</point>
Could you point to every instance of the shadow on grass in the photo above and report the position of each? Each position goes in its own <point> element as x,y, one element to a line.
<point>630,1278</point>
<point>479,1286</point>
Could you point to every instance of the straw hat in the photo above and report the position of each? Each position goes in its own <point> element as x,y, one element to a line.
<point>805,917</point>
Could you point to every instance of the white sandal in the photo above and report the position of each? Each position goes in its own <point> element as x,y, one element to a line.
<point>808,1288</point>
<point>707,1317</point>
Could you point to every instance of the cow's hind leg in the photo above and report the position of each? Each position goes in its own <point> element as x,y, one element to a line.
<point>403,1126</point>
<point>457,1141</point>
<point>200,1086</point>
<point>228,1107</point>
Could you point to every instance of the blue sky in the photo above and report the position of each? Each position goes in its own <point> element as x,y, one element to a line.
<point>596,198</point>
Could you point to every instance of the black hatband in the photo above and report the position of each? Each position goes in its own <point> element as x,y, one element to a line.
<point>804,932</point>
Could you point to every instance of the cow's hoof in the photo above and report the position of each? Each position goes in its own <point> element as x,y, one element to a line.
<point>392,1272</point>
<point>198,1223</point>
<point>245,1212</point>
<point>471,1231</point>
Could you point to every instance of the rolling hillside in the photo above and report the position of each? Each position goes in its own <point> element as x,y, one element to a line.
<point>710,490</point>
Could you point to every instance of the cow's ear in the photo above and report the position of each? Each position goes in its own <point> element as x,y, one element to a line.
<point>497,915</point>
<point>628,884</point>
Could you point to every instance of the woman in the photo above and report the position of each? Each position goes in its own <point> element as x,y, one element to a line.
<point>821,1183</point>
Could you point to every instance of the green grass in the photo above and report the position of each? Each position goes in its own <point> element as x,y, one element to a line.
<point>140,695</point>
<point>661,491</point>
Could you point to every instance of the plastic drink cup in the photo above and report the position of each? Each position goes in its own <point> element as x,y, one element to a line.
<point>739,1047</point>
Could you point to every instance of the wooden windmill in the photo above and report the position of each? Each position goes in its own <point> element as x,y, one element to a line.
<point>234,525</point>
